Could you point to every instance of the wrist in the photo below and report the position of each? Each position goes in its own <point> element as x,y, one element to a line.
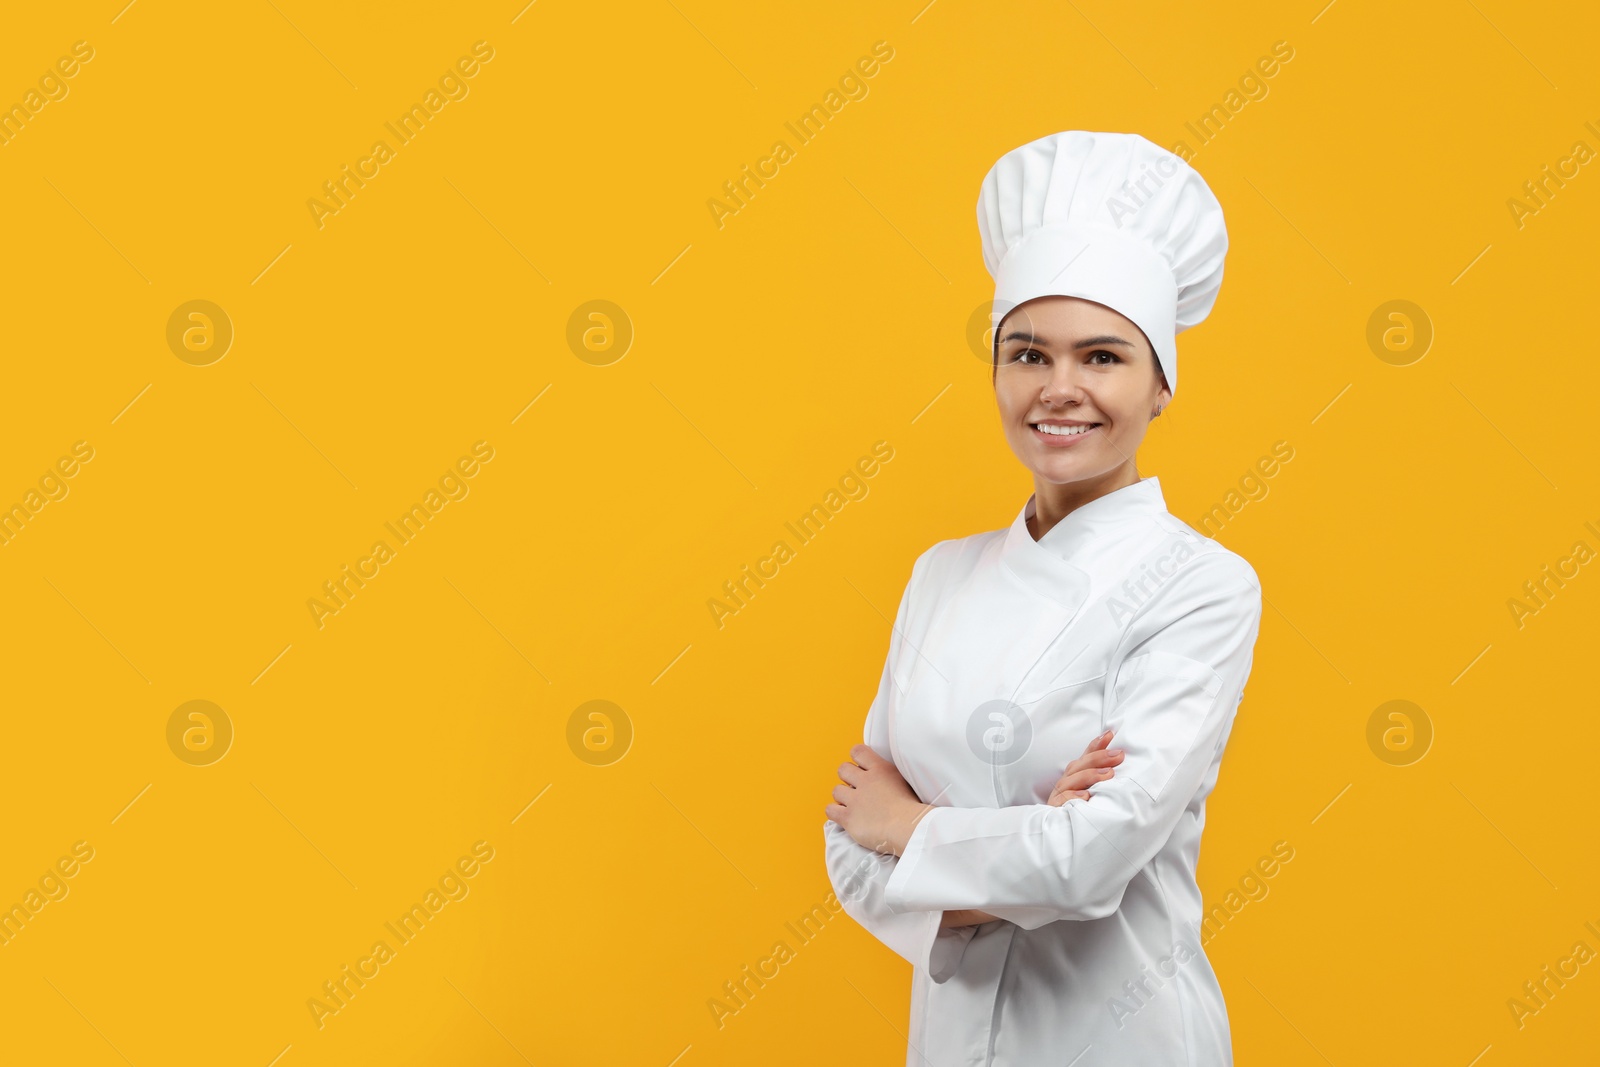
<point>908,825</point>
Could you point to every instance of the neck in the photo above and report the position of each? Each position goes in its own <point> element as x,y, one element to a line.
<point>1053,502</point>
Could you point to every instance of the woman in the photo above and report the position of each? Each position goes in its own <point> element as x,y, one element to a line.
<point>1054,918</point>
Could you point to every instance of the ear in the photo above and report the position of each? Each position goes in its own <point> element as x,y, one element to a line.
<point>1164,396</point>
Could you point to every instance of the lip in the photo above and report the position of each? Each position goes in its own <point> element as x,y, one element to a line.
<point>1056,440</point>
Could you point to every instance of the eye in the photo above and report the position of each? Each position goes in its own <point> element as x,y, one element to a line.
<point>1022,356</point>
<point>1114,358</point>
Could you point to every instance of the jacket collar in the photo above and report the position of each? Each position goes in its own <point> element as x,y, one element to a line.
<point>1079,527</point>
<point>1060,555</point>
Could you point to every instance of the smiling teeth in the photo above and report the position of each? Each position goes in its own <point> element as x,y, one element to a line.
<point>1064,431</point>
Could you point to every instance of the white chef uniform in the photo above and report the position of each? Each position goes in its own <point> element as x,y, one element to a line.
<point>1008,655</point>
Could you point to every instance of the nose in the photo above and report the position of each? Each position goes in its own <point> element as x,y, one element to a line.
<point>1065,384</point>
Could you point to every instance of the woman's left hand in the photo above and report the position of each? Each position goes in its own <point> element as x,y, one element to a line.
<point>875,806</point>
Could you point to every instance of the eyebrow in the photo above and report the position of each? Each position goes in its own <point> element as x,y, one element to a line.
<point>1103,339</point>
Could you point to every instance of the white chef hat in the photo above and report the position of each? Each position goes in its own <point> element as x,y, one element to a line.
<point>1107,217</point>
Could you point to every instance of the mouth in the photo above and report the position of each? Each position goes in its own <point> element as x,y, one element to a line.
<point>1062,434</point>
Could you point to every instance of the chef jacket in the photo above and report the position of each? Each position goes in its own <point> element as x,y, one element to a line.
<point>1008,655</point>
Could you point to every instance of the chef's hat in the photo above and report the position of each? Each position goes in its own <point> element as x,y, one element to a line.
<point>1107,217</point>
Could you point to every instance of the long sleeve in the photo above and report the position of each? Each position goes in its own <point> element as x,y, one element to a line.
<point>1172,701</point>
<point>860,875</point>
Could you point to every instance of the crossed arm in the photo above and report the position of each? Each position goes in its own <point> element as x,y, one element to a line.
<point>1181,669</point>
<point>876,807</point>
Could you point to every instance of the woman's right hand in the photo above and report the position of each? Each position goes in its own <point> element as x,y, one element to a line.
<point>1095,765</point>
<point>952,920</point>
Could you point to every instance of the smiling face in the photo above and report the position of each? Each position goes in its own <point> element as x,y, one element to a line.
<point>1077,385</point>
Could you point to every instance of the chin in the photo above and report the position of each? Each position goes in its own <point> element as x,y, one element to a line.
<point>1056,475</point>
<point>1065,470</point>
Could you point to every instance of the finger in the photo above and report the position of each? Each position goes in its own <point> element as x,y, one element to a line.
<point>836,813</point>
<point>841,793</point>
<point>850,773</point>
<point>866,756</point>
<point>1082,770</point>
<point>1109,757</point>
<point>1099,742</point>
<point>1059,798</point>
<point>1089,762</point>
<point>1085,778</point>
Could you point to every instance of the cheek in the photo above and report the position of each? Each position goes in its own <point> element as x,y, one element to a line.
<point>1003,404</point>
<point>1129,432</point>
<point>1127,410</point>
<point>1013,400</point>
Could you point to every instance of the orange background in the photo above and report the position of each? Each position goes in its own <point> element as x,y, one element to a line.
<point>432,711</point>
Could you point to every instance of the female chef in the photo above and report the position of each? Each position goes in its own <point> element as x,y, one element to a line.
<point>1054,918</point>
